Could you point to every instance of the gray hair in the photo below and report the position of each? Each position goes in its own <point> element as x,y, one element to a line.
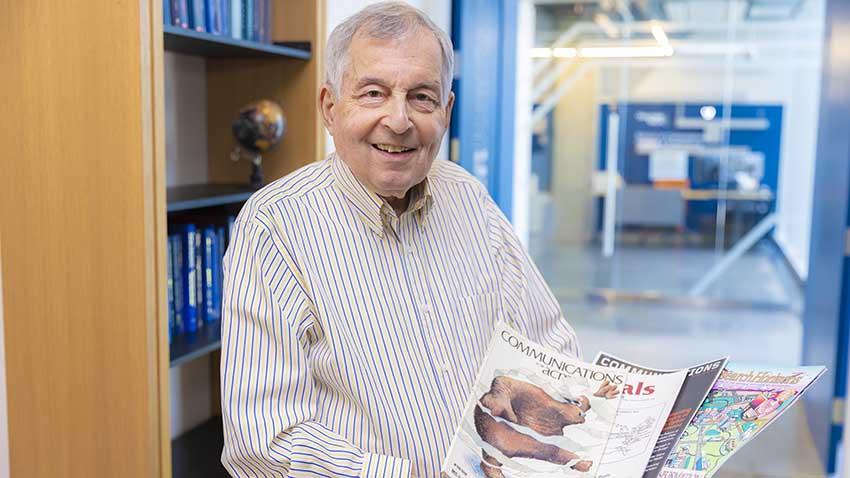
<point>383,20</point>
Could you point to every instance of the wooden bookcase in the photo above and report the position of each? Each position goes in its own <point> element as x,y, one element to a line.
<point>238,72</point>
<point>84,215</point>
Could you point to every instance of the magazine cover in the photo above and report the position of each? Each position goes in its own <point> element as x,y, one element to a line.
<point>644,407</point>
<point>742,402</point>
<point>693,391</point>
<point>534,413</point>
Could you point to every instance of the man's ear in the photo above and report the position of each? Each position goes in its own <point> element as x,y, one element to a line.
<point>449,105</point>
<point>326,105</point>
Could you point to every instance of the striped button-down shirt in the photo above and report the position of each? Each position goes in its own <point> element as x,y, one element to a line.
<point>351,335</point>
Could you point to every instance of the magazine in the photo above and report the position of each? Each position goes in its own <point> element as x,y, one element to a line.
<point>536,413</point>
<point>743,401</point>
<point>693,391</point>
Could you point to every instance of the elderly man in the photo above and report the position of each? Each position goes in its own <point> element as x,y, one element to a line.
<point>361,291</point>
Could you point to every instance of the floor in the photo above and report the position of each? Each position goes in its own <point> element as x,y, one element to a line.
<point>636,305</point>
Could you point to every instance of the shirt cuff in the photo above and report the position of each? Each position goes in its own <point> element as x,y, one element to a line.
<point>383,466</point>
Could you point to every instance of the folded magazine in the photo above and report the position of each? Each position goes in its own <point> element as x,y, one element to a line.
<point>536,413</point>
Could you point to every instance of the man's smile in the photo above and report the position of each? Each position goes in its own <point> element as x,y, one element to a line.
<point>392,148</point>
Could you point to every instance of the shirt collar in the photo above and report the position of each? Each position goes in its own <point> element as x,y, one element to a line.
<point>371,208</point>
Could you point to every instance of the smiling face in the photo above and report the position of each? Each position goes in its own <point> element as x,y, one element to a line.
<point>389,117</point>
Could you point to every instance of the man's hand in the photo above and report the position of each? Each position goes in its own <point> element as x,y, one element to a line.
<point>607,390</point>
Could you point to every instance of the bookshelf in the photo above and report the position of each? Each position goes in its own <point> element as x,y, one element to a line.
<point>84,216</point>
<point>237,72</point>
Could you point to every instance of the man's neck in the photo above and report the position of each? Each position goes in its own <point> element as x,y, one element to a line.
<point>399,205</point>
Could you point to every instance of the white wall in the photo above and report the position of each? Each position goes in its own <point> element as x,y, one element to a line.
<point>440,12</point>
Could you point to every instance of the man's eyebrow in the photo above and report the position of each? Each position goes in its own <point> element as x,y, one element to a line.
<point>431,85</point>
<point>369,81</point>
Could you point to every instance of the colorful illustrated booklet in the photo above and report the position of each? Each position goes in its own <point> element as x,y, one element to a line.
<point>535,413</point>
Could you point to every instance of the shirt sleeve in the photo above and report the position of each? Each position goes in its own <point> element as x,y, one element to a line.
<point>268,394</point>
<point>527,303</point>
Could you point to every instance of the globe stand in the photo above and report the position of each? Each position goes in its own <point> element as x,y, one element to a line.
<point>256,179</point>
<point>257,172</point>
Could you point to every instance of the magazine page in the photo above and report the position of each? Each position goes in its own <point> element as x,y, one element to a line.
<point>743,401</point>
<point>534,413</point>
<point>644,407</point>
<point>693,391</point>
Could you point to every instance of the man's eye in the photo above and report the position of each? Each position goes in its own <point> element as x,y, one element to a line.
<point>423,97</point>
<point>373,94</point>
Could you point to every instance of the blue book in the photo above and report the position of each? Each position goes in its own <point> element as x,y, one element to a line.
<point>199,278</point>
<point>267,21</point>
<point>256,29</point>
<point>219,269</point>
<point>212,8</point>
<point>166,12</point>
<point>177,265</point>
<point>248,19</point>
<point>190,280</point>
<point>225,17</point>
<point>180,13</point>
<point>170,286</point>
<point>197,15</point>
<point>236,8</point>
<point>209,274</point>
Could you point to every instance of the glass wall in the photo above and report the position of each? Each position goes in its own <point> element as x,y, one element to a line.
<point>672,162</point>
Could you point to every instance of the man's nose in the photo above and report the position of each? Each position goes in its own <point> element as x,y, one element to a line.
<point>396,118</point>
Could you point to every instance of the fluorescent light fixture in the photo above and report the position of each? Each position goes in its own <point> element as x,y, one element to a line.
<point>626,52</point>
<point>659,35</point>
<point>541,53</point>
<point>564,52</point>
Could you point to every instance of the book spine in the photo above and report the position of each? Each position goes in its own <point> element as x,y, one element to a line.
<point>170,286</point>
<point>166,12</point>
<point>190,309</point>
<point>267,21</point>
<point>209,15</point>
<point>224,8</point>
<point>209,271</point>
<point>199,278</point>
<point>219,270</point>
<point>247,19</point>
<point>180,13</point>
<point>179,283</point>
<point>236,7</point>
<point>197,15</point>
<point>256,21</point>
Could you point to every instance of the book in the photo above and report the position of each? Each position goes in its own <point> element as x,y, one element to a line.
<point>170,288</point>
<point>199,280</point>
<point>225,8</point>
<point>219,270</point>
<point>209,239</point>
<point>197,15</point>
<point>166,12</point>
<point>236,9</point>
<point>180,13</point>
<point>248,19</point>
<point>189,279</point>
<point>536,413</point>
<point>176,241</point>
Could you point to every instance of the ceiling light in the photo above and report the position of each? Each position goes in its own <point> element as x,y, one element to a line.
<point>626,52</point>
<point>541,53</point>
<point>564,52</point>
